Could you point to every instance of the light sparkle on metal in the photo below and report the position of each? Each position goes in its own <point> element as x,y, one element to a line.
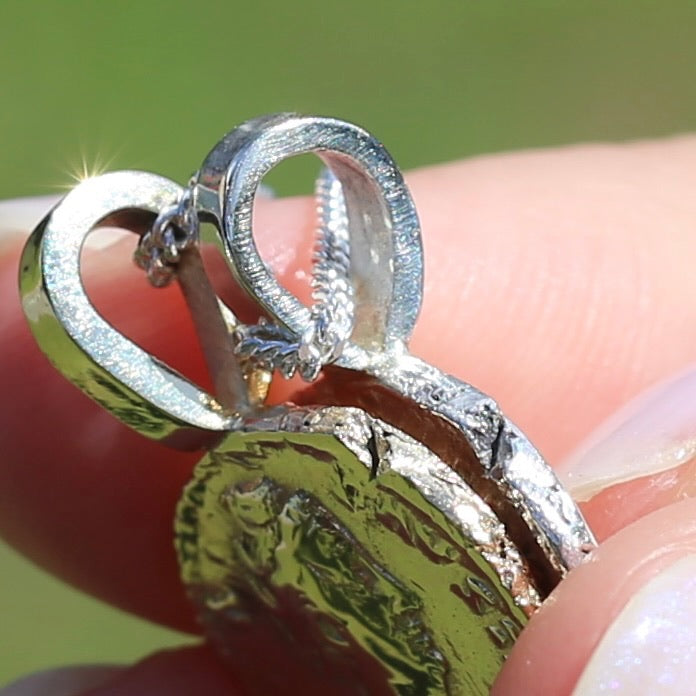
<point>391,555</point>
<point>425,497</point>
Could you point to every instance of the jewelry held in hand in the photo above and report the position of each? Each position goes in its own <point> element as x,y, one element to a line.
<point>402,527</point>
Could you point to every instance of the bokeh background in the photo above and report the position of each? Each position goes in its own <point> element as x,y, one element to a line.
<point>152,84</point>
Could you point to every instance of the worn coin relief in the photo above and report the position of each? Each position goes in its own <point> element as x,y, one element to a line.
<point>369,536</point>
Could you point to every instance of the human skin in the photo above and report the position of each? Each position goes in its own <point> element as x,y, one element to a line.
<point>558,281</point>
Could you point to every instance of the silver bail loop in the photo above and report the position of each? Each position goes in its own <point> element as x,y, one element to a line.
<point>386,260</point>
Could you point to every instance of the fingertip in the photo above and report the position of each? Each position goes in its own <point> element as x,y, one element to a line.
<point>556,279</point>
<point>177,672</point>
<point>560,639</point>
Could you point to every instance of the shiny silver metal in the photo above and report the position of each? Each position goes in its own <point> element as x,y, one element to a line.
<point>386,270</point>
<point>385,247</point>
<point>134,385</point>
<point>174,231</point>
<point>405,525</point>
<point>331,319</point>
<point>357,545</point>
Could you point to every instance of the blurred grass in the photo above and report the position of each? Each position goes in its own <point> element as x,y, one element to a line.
<point>46,624</point>
<point>153,85</point>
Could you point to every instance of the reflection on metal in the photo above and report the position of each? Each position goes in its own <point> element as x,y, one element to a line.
<point>387,273</point>
<point>407,526</point>
<point>375,543</point>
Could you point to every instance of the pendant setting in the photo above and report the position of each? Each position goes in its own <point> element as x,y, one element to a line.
<point>403,526</point>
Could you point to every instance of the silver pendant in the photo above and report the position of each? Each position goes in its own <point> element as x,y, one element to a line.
<point>405,528</point>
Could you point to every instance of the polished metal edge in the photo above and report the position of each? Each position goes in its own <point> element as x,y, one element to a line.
<point>135,386</point>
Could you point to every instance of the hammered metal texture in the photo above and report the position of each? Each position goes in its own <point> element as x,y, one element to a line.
<point>382,549</point>
<point>387,272</point>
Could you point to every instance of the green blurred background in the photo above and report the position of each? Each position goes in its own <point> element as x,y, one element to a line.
<point>153,84</point>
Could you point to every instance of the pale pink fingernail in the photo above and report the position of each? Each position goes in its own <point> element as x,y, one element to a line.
<point>20,215</point>
<point>653,433</point>
<point>650,648</point>
<point>65,681</point>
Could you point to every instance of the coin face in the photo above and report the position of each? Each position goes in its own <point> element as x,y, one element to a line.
<point>359,542</point>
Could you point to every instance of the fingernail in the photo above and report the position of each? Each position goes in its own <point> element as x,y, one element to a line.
<point>653,433</point>
<point>23,214</point>
<point>66,681</point>
<point>650,648</point>
<point>20,215</point>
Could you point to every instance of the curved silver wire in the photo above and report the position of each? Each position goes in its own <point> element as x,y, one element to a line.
<point>135,386</point>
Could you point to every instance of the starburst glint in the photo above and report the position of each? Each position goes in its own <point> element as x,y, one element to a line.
<point>86,167</point>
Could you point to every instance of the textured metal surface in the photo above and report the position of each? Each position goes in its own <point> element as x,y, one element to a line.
<point>417,530</point>
<point>134,385</point>
<point>385,244</point>
<point>386,270</point>
<point>506,457</point>
<point>361,538</point>
<point>160,249</point>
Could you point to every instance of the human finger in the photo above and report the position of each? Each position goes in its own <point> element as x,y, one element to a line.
<point>640,459</point>
<point>532,299</point>
<point>623,622</point>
